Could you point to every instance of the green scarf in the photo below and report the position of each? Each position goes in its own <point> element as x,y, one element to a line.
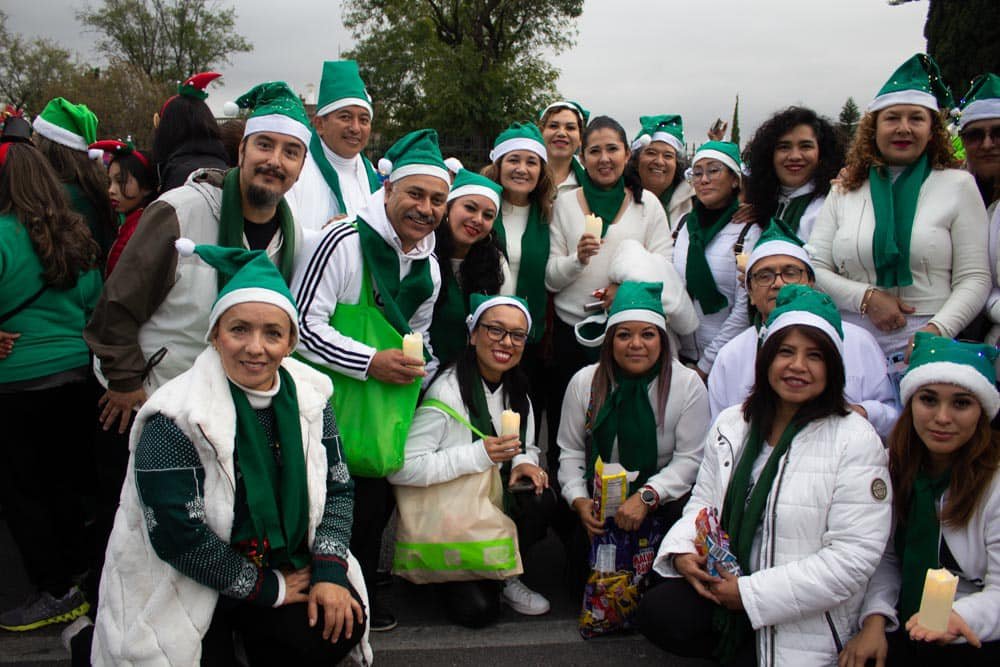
<point>579,171</point>
<point>698,274</point>
<point>330,174</point>
<point>278,499</point>
<point>448,328</point>
<point>628,417</point>
<point>531,275</point>
<point>918,540</point>
<point>740,518</point>
<point>400,298</point>
<point>231,223</point>
<point>604,202</point>
<point>796,206</point>
<point>895,205</point>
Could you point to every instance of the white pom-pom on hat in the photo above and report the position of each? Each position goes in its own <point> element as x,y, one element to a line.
<point>645,140</point>
<point>230,109</point>
<point>185,247</point>
<point>384,166</point>
<point>95,154</point>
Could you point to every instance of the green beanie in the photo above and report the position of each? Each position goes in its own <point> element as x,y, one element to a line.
<point>802,305</point>
<point>68,124</point>
<point>341,86</point>
<point>935,359</point>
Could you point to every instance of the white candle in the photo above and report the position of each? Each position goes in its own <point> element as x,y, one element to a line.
<point>935,604</point>
<point>413,346</point>
<point>593,225</point>
<point>510,423</point>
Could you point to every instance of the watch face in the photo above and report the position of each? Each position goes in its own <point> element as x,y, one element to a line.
<point>647,496</point>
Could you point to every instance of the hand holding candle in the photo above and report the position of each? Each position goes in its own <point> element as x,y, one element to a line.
<point>510,423</point>
<point>593,225</point>
<point>939,594</point>
<point>413,346</point>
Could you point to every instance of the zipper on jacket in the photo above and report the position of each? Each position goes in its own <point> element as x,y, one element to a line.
<point>232,483</point>
<point>833,631</point>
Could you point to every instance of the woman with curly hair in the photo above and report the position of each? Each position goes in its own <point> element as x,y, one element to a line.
<point>49,283</point>
<point>470,259</point>
<point>943,461</point>
<point>900,244</point>
<point>792,157</point>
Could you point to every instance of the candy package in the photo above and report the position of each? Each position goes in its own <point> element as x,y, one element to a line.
<point>712,540</point>
<point>610,487</point>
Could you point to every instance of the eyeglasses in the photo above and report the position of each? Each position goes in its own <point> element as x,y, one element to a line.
<point>977,135</point>
<point>712,172</point>
<point>497,334</point>
<point>766,277</point>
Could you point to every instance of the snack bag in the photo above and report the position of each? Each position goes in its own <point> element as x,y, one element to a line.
<point>712,540</point>
<point>610,487</point>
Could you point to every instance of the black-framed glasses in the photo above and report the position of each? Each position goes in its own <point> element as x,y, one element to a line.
<point>977,135</point>
<point>790,274</point>
<point>497,334</point>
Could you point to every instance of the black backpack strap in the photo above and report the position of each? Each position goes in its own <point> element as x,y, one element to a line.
<point>677,229</point>
<point>741,239</point>
<point>24,304</point>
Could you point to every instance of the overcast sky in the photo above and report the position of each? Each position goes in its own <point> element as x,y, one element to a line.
<point>631,57</point>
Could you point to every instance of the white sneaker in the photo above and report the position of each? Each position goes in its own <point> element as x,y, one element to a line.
<point>522,599</point>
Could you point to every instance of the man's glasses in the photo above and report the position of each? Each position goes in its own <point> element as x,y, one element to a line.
<point>790,274</point>
<point>977,135</point>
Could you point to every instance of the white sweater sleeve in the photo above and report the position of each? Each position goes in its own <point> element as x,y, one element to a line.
<point>571,440</point>
<point>563,266</point>
<point>678,476</point>
<point>330,273</point>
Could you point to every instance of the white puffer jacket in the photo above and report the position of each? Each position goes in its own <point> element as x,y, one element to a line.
<point>150,613</point>
<point>826,522</point>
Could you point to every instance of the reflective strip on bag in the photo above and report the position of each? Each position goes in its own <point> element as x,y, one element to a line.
<point>447,556</point>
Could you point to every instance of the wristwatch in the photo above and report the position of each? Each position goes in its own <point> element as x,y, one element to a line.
<point>649,496</point>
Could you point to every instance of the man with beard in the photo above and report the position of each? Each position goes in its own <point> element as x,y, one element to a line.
<point>392,241</point>
<point>151,319</point>
<point>337,179</point>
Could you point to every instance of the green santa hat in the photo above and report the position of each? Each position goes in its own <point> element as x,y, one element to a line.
<point>575,107</point>
<point>936,359</point>
<point>982,102</point>
<point>68,124</point>
<point>802,305</point>
<point>480,303</point>
<point>254,279</point>
<point>341,86</point>
<point>779,239</point>
<point>634,302</point>
<point>415,153</point>
<point>725,152</point>
<point>667,128</point>
<point>274,107</point>
<point>519,137</point>
<point>917,81</point>
<point>470,183</point>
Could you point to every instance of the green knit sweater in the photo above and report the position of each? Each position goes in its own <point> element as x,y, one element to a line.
<point>51,328</point>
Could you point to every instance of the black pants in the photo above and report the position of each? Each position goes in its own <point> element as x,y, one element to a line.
<point>472,604</point>
<point>44,461</point>
<point>905,652</point>
<point>678,620</point>
<point>373,505</point>
<point>273,636</point>
<point>568,357</point>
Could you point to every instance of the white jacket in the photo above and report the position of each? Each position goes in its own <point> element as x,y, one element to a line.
<point>328,271</point>
<point>150,613</point>
<point>439,448</point>
<point>976,548</point>
<point>823,532</point>
<point>679,440</point>
<point>866,384</point>
<point>717,329</point>
<point>948,254</point>
<point>573,282</point>
<point>313,202</point>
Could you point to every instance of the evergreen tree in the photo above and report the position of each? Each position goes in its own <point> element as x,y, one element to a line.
<point>849,117</point>
<point>734,132</point>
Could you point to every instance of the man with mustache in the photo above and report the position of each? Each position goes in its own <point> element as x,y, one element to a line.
<point>337,179</point>
<point>390,245</point>
<point>150,322</point>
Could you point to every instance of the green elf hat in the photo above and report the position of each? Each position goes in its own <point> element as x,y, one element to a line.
<point>415,153</point>
<point>634,302</point>
<point>968,365</point>
<point>255,278</point>
<point>802,305</point>
<point>519,137</point>
<point>917,81</point>
<point>480,303</point>
<point>68,124</point>
<point>273,108</point>
<point>576,107</point>
<point>341,86</point>
<point>725,152</point>
<point>470,183</point>
<point>982,102</point>
<point>779,239</point>
<point>667,128</point>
